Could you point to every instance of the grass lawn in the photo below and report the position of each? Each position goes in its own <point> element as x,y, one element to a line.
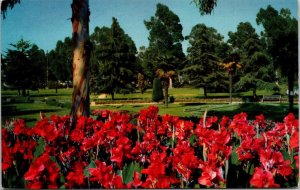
<point>38,101</point>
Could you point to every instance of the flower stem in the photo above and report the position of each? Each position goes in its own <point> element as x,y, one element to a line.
<point>173,137</point>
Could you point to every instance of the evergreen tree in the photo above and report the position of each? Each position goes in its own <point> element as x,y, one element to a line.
<point>256,67</point>
<point>157,90</point>
<point>165,37</point>
<point>116,61</point>
<point>281,36</point>
<point>24,66</point>
<point>203,68</point>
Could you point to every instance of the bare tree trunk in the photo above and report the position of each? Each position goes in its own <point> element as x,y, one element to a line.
<point>81,57</point>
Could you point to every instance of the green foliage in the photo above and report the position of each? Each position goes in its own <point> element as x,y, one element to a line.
<point>91,165</point>
<point>205,6</point>
<point>23,66</point>
<point>113,61</point>
<point>281,36</point>
<point>7,4</point>
<point>165,37</point>
<point>128,171</point>
<point>203,69</point>
<point>60,61</point>
<point>39,148</point>
<point>257,70</point>
<point>157,92</point>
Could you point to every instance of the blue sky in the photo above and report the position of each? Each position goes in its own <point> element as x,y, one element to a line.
<point>44,22</point>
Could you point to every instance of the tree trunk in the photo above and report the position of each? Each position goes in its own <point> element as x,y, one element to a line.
<point>81,57</point>
<point>205,93</point>
<point>291,91</point>
<point>254,93</point>
<point>112,96</point>
<point>166,96</point>
<point>23,92</point>
<point>166,87</point>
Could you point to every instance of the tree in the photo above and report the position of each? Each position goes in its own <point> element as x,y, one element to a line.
<point>281,35</point>
<point>245,31</point>
<point>165,37</point>
<point>157,91</point>
<point>60,61</point>
<point>100,39</point>
<point>231,67</point>
<point>203,69</point>
<point>7,4</point>
<point>37,58</point>
<point>142,82</point>
<point>115,52</point>
<point>81,56</point>
<point>205,6</point>
<point>166,77</point>
<point>24,66</point>
<point>256,71</point>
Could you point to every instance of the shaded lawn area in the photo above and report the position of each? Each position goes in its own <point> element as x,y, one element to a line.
<point>30,108</point>
<point>271,111</point>
<point>30,112</point>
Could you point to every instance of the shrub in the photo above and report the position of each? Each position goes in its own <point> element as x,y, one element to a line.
<point>157,92</point>
<point>171,99</point>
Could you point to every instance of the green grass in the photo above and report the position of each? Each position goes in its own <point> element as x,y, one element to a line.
<point>272,111</point>
<point>30,108</point>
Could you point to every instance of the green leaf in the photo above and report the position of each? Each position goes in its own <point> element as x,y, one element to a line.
<point>91,165</point>
<point>197,186</point>
<point>128,171</point>
<point>192,139</point>
<point>286,155</point>
<point>251,170</point>
<point>62,179</point>
<point>39,148</point>
<point>234,158</point>
<point>62,187</point>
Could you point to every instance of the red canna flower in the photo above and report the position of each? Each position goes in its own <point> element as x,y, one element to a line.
<point>76,176</point>
<point>211,175</point>
<point>263,179</point>
<point>7,156</point>
<point>260,121</point>
<point>294,141</point>
<point>224,122</point>
<point>274,162</point>
<point>102,174</point>
<point>44,170</point>
<point>19,127</point>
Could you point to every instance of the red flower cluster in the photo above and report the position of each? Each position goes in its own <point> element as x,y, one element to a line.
<point>157,152</point>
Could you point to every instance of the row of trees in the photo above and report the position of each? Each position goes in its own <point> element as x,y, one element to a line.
<point>117,66</point>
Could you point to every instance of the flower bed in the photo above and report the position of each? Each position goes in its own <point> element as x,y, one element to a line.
<point>151,151</point>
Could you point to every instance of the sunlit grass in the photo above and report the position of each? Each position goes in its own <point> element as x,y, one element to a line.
<point>30,107</point>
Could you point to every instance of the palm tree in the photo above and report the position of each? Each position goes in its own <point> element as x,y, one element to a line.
<point>166,76</point>
<point>231,67</point>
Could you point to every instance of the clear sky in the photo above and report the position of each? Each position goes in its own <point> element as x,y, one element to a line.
<point>44,22</point>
